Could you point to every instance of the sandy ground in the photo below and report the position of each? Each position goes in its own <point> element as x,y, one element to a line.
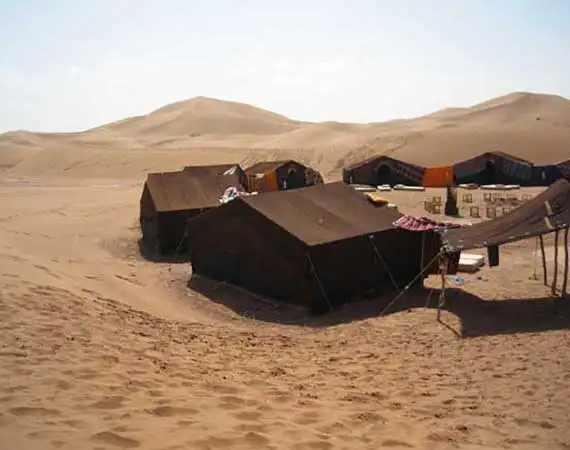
<point>101,349</point>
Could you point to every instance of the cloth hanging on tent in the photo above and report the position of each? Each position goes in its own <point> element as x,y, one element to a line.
<point>438,176</point>
<point>493,255</point>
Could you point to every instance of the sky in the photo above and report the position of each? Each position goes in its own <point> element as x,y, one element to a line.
<point>69,65</point>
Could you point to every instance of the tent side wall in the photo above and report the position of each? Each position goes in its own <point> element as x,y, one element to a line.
<point>291,175</point>
<point>148,219</point>
<point>351,269</point>
<point>564,169</point>
<point>545,175</point>
<point>512,171</point>
<point>171,230</point>
<point>364,173</point>
<point>235,244</point>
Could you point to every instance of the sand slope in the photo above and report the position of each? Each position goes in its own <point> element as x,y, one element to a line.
<point>532,126</point>
<point>101,349</point>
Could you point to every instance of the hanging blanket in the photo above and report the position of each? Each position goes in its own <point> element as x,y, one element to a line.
<point>438,176</point>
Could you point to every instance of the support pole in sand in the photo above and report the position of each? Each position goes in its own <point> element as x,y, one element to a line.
<point>555,274</point>
<point>544,271</point>
<point>443,272</point>
<point>565,280</point>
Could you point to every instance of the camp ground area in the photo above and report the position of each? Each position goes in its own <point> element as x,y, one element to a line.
<point>277,231</point>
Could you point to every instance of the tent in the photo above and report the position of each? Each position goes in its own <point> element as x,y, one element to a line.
<point>564,169</point>
<point>512,170</point>
<point>319,247</point>
<point>383,170</point>
<point>494,168</point>
<point>548,212</point>
<point>545,175</point>
<point>280,175</point>
<point>169,199</point>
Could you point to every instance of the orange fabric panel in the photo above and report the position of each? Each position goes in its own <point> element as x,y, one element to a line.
<point>271,181</point>
<point>438,176</point>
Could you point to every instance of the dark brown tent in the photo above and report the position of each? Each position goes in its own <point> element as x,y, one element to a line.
<point>383,170</point>
<point>169,199</point>
<point>272,176</point>
<point>319,246</point>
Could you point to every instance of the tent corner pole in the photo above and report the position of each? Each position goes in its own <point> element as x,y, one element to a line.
<point>555,274</point>
<point>443,271</point>
<point>543,254</point>
<point>565,280</point>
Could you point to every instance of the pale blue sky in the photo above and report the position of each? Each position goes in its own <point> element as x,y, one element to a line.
<point>67,65</point>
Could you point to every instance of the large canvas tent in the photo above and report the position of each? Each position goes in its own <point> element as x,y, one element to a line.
<point>383,170</point>
<point>272,176</point>
<point>169,199</point>
<point>319,246</point>
<point>494,168</point>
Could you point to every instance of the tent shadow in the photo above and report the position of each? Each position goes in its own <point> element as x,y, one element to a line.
<point>150,255</point>
<point>259,308</point>
<point>480,317</point>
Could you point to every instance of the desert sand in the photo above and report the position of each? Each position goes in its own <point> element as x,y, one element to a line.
<point>102,349</point>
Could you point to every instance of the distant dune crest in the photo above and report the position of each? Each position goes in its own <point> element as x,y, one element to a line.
<point>532,126</point>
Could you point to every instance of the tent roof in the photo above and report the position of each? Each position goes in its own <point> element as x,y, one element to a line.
<point>547,212</point>
<point>180,191</point>
<point>267,166</point>
<point>322,213</point>
<point>215,169</point>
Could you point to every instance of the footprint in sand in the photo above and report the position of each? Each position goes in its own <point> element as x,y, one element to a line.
<point>395,444</point>
<point>248,415</point>
<point>34,411</point>
<point>112,402</point>
<point>171,411</point>
<point>115,440</point>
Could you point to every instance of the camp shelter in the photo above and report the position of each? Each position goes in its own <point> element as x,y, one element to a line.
<point>219,169</point>
<point>494,168</point>
<point>169,199</point>
<point>318,247</point>
<point>548,212</point>
<point>438,176</point>
<point>545,175</point>
<point>545,213</point>
<point>480,170</point>
<point>383,170</point>
<point>512,170</point>
<point>272,176</point>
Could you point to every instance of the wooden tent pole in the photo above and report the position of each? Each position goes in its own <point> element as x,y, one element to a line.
<point>565,280</point>
<point>443,271</point>
<point>555,274</point>
<point>544,271</point>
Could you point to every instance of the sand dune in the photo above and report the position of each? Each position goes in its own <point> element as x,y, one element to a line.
<point>531,126</point>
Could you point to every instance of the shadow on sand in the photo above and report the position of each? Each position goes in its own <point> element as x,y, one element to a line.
<point>477,317</point>
<point>154,256</point>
